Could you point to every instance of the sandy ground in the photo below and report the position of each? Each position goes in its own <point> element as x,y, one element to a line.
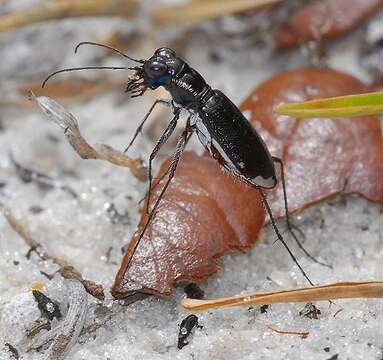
<point>346,232</point>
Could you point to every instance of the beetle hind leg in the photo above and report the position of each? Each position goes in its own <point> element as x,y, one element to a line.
<point>291,227</point>
<point>280,237</point>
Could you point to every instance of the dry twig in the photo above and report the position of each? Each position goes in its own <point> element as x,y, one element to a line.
<point>193,12</point>
<point>60,9</point>
<point>67,271</point>
<point>302,334</point>
<point>339,290</point>
<point>68,122</point>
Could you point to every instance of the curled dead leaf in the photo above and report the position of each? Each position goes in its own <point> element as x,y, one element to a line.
<point>205,212</point>
<point>322,157</point>
<point>326,19</point>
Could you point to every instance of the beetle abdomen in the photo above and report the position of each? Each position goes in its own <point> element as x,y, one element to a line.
<point>230,138</point>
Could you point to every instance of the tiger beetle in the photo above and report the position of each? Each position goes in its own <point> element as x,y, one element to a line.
<point>220,126</point>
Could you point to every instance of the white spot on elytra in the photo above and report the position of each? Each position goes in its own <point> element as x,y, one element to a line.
<point>247,114</point>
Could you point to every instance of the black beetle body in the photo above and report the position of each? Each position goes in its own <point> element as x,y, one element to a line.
<point>219,124</point>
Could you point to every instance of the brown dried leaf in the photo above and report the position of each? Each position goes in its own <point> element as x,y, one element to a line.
<point>322,157</point>
<point>203,214</point>
<point>330,19</point>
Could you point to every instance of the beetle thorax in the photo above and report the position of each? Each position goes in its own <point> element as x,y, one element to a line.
<point>186,86</point>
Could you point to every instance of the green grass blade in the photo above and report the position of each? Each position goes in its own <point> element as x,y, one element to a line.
<point>340,106</point>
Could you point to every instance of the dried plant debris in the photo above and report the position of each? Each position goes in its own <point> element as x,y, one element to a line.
<point>13,352</point>
<point>68,123</point>
<point>186,328</point>
<point>203,214</point>
<point>65,335</point>
<point>310,311</point>
<point>76,90</point>
<point>324,20</point>
<point>162,15</point>
<point>347,152</point>
<point>196,11</point>
<point>339,290</point>
<point>364,104</point>
<point>62,9</point>
<point>36,327</point>
<point>334,357</point>
<point>116,217</point>
<point>49,308</point>
<point>67,271</point>
<point>193,291</point>
<point>43,181</point>
<point>302,334</point>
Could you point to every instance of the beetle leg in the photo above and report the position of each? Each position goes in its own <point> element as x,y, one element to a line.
<point>181,144</point>
<point>165,173</point>
<point>279,236</point>
<point>290,225</point>
<point>138,130</point>
<point>163,139</point>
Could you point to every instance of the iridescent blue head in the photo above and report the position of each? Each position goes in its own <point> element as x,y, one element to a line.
<point>158,70</point>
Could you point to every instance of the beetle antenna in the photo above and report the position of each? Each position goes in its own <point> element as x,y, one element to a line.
<point>85,68</point>
<point>107,47</point>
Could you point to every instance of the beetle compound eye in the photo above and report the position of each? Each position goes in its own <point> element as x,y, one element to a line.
<point>156,69</point>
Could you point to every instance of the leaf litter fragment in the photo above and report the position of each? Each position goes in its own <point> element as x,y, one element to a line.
<point>61,9</point>
<point>302,334</point>
<point>162,14</point>
<point>13,352</point>
<point>72,90</point>
<point>193,11</point>
<point>325,19</point>
<point>339,290</point>
<point>43,181</point>
<point>67,271</point>
<point>65,335</point>
<point>333,107</point>
<point>59,115</point>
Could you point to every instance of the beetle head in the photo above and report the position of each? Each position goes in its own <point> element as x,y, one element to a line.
<point>158,70</point>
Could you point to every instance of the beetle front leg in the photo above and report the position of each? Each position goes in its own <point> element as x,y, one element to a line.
<point>164,138</point>
<point>139,129</point>
<point>181,144</point>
